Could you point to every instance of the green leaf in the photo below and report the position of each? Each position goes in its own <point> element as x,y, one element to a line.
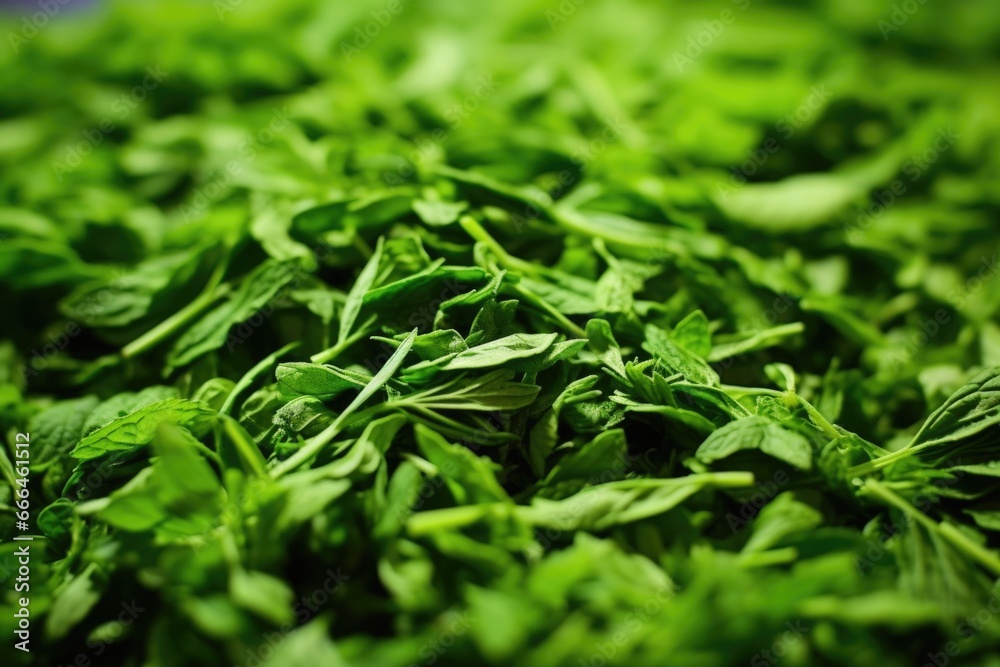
<point>439,213</point>
<point>268,597</point>
<point>602,342</point>
<point>781,518</point>
<point>125,403</point>
<point>355,298</point>
<point>509,349</point>
<point>678,359</point>
<point>752,341</point>
<point>470,478</point>
<point>317,443</point>
<point>138,428</point>
<point>307,646</point>
<point>57,430</point>
<point>757,433</point>
<point>179,496</point>
<point>72,604</point>
<point>130,296</point>
<point>255,292</point>
<point>304,415</point>
<point>692,334</point>
<point>966,414</point>
<point>600,456</point>
<point>495,390</point>
<point>365,454</point>
<point>321,381</point>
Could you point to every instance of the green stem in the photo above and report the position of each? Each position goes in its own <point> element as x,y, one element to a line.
<point>451,518</point>
<point>550,310</point>
<point>750,391</point>
<point>819,419</point>
<point>246,449</point>
<point>210,453</point>
<point>451,428</point>
<point>946,531</point>
<point>252,374</point>
<point>479,233</point>
<point>814,414</point>
<point>421,395</point>
<point>974,550</point>
<point>476,231</point>
<point>770,558</point>
<point>231,550</point>
<point>335,351</point>
<point>212,292</point>
<point>316,444</point>
<point>736,480</point>
<point>875,465</point>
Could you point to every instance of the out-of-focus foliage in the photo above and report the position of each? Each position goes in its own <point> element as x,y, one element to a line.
<point>518,333</point>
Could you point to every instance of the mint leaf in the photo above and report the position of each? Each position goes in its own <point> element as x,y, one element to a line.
<point>757,433</point>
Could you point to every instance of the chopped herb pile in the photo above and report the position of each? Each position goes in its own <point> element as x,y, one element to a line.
<point>521,333</point>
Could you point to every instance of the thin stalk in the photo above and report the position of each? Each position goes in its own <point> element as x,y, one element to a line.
<point>946,531</point>
<point>875,465</point>
<point>790,400</point>
<point>751,391</point>
<point>770,558</point>
<point>245,447</point>
<point>315,444</point>
<point>818,418</point>
<point>333,352</point>
<point>454,429</point>
<point>734,479</point>
<point>212,292</point>
<point>477,232</point>
<point>252,374</point>
<point>550,310</point>
<point>210,453</point>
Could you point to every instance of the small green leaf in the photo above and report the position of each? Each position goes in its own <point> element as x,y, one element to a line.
<point>757,433</point>
<point>138,428</point>
<point>355,298</point>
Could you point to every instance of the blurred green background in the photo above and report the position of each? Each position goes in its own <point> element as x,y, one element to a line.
<point>696,94</point>
<point>846,151</point>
